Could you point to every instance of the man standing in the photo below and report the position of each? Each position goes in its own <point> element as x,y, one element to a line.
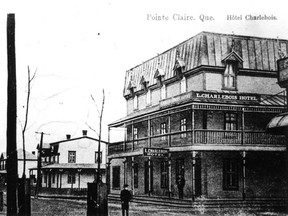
<point>125,199</point>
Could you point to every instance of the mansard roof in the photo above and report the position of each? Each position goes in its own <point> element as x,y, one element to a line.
<point>209,49</point>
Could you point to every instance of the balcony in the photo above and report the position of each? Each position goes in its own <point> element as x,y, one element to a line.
<point>197,137</point>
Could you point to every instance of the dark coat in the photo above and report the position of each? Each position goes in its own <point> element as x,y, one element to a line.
<point>125,196</point>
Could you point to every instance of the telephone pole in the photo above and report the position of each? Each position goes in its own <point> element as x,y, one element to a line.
<point>11,166</point>
<point>39,164</point>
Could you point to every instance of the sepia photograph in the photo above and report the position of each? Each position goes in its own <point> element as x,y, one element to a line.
<point>143,108</point>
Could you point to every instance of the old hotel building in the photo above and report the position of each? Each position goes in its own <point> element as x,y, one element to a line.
<point>196,119</point>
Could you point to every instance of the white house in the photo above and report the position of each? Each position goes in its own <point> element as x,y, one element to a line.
<point>72,163</point>
<point>31,161</point>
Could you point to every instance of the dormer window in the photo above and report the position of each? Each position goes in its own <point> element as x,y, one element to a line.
<point>229,77</point>
<point>179,66</point>
<point>159,75</point>
<point>232,61</point>
<point>144,84</point>
<point>131,87</point>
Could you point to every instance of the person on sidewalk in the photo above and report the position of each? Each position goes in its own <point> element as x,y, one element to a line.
<point>125,196</point>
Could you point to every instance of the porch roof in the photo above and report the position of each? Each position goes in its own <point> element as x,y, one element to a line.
<point>74,166</point>
<point>279,124</point>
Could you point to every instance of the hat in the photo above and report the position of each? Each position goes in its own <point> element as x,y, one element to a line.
<point>126,185</point>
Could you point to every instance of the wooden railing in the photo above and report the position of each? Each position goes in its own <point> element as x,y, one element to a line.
<point>198,136</point>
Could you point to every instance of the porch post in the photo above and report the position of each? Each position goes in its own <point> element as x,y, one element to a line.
<point>193,124</point>
<point>61,170</point>
<point>193,174</point>
<point>108,175</point>
<point>132,175</point>
<point>244,175</point>
<point>170,175</point>
<point>243,127</point>
<point>169,130</point>
<point>132,135</point>
<point>124,164</point>
<point>79,173</point>
<point>149,131</point>
<point>149,174</point>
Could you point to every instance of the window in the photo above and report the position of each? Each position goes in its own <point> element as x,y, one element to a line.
<point>116,177</point>
<point>164,174</point>
<point>163,92</point>
<point>163,130</point>
<point>71,156</point>
<point>148,97</point>
<point>71,178</point>
<point>230,121</point>
<point>135,102</point>
<point>96,157</point>
<point>135,175</point>
<point>183,127</point>
<point>183,85</point>
<point>229,80</point>
<point>230,174</point>
<point>135,133</point>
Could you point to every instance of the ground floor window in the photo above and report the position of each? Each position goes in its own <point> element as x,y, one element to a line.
<point>71,178</point>
<point>164,174</point>
<point>116,177</point>
<point>230,174</point>
<point>135,175</point>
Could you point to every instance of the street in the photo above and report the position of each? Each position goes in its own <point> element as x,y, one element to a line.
<point>52,207</point>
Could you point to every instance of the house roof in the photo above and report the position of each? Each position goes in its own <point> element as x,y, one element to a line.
<point>77,138</point>
<point>74,166</point>
<point>29,156</point>
<point>210,49</point>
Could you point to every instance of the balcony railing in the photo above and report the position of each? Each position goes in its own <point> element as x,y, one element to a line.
<point>187,138</point>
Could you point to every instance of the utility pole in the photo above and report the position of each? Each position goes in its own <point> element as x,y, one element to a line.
<point>11,166</point>
<point>39,164</point>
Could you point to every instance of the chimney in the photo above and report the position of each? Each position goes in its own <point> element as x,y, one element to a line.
<point>84,132</point>
<point>68,136</point>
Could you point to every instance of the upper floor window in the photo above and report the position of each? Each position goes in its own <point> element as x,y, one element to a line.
<point>148,97</point>
<point>135,133</point>
<point>96,157</point>
<point>183,127</point>
<point>229,77</point>
<point>230,121</point>
<point>163,92</point>
<point>71,156</point>
<point>163,130</point>
<point>135,102</point>
<point>183,85</point>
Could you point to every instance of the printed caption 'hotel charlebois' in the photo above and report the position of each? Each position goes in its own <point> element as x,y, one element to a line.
<point>196,119</point>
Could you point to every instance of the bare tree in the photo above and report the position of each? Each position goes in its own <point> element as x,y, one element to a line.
<point>100,114</point>
<point>24,127</point>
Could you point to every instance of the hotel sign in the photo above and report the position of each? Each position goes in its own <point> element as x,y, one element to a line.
<point>156,152</point>
<point>227,97</point>
<point>282,65</point>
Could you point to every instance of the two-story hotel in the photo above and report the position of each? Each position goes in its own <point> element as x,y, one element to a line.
<point>196,119</point>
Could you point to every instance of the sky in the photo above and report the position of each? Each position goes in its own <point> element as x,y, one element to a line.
<point>78,48</point>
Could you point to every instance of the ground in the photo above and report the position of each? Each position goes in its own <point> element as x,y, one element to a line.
<point>53,207</point>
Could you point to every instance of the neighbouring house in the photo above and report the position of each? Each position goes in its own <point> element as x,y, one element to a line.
<point>72,163</point>
<point>196,120</point>
<point>31,161</point>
